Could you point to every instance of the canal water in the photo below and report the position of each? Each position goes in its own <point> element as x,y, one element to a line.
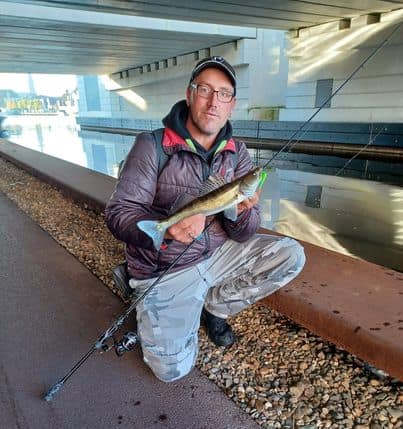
<point>350,215</point>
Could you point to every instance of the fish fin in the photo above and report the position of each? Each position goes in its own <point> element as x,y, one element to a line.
<point>231,213</point>
<point>154,230</point>
<point>211,184</point>
<point>249,191</point>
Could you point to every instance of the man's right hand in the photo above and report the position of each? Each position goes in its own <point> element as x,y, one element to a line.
<point>186,230</point>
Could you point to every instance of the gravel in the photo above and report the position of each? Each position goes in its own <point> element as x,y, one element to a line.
<point>280,373</point>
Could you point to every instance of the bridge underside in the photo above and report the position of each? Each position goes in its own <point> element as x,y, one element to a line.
<point>103,37</point>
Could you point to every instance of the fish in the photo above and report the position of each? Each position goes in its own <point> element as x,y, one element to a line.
<point>216,196</point>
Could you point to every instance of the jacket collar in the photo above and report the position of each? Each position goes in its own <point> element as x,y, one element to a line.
<point>173,143</point>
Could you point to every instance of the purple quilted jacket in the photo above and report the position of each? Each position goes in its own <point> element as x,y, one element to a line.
<point>142,194</point>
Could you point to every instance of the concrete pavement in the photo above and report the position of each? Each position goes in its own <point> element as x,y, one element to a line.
<point>52,311</point>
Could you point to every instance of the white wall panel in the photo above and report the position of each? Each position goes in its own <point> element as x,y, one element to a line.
<point>376,100</point>
<point>379,114</point>
<point>376,90</point>
<point>149,93</point>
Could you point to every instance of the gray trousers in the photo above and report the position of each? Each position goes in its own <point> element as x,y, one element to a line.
<point>234,277</point>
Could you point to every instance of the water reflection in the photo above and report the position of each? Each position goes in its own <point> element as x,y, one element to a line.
<point>104,151</point>
<point>356,217</point>
<point>53,135</point>
<point>60,136</point>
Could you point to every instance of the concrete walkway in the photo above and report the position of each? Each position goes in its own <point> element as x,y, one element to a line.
<point>52,311</point>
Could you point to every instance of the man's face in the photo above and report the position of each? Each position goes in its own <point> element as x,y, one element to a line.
<point>208,115</point>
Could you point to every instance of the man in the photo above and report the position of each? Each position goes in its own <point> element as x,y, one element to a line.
<point>228,267</point>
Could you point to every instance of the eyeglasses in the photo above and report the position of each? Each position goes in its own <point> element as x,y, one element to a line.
<point>206,92</point>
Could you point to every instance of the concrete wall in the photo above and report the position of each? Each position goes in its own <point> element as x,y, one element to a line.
<point>263,66</point>
<point>375,94</point>
<point>149,92</point>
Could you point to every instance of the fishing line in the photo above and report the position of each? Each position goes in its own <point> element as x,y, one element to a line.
<point>101,344</point>
<point>371,140</point>
<point>290,142</point>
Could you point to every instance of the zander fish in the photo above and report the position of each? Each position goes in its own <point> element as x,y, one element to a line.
<point>224,198</point>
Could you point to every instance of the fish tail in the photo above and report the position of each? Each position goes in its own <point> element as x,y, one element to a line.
<point>154,230</point>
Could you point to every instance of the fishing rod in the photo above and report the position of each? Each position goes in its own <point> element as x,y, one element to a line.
<point>289,144</point>
<point>370,141</point>
<point>129,339</point>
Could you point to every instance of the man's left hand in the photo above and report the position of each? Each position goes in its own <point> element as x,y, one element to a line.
<point>249,202</point>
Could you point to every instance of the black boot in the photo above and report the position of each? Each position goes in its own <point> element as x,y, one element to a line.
<point>121,279</point>
<point>218,330</point>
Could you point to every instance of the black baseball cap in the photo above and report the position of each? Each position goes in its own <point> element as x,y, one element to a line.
<point>218,63</point>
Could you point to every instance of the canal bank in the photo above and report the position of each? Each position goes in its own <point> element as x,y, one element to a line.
<point>276,368</point>
<point>348,276</point>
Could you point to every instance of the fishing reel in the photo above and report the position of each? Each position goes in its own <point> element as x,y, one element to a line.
<point>126,344</point>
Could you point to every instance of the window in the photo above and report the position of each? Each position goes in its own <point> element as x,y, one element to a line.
<point>324,89</point>
<point>92,93</point>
